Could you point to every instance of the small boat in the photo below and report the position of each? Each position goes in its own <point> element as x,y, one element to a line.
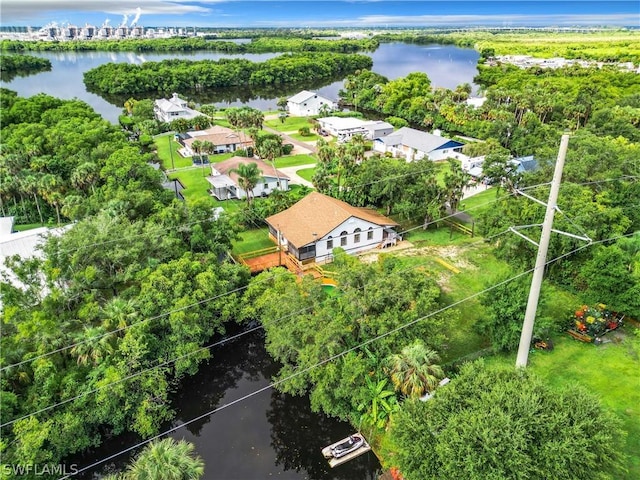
<point>346,446</point>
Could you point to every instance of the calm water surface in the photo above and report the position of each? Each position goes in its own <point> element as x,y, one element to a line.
<point>447,66</point>
<point>269,435</point>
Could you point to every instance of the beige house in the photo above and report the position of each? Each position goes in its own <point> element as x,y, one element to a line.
<point>224,139</point>
<point>317,224</point>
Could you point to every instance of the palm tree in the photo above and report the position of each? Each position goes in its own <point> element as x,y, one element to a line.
<point>50,188</point>
<point>118,313</point>
<point>413,371</point>
<point>249,177</point>
<point>93,347</point>
<point>85,175</point>
<point>166,459</point>
<point>196,146</point>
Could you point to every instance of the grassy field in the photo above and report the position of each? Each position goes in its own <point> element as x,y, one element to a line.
<point>252,240</point>
<point>306,173</point>
<point>162,143</point>
<point>305,138</point>
<point>291,124</point>
<point>294,160</point>
<point>610,371</point>
<point>197,186</point>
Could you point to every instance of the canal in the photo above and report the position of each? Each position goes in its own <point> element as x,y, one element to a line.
<point>269,435</point>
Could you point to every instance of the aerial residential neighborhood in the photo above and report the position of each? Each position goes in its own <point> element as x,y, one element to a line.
<point>339,241</point>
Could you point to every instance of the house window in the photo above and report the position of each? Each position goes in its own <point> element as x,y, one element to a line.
<point>356,236</point>
<point>343,238</point>
<point>265,186</point>
<point>330,243</point>
<point>370,234</point>
<point>445,151</point>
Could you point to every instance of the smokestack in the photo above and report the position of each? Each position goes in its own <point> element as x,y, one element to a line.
<point>137,17</point>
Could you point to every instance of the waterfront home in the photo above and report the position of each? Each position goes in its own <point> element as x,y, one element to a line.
<point>415,144</point>
<point>222,138</point>
<point>308,104</point>
<point>310,229</point>
<point>225,183</point>
<point>167,110</point>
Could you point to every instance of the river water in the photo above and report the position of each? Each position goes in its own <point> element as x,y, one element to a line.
<point>447,66</point>
<point>269,435</point>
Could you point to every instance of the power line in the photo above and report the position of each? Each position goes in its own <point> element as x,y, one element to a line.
<point>422,225</point>
<point>201,349</point>
<point>333,357</point>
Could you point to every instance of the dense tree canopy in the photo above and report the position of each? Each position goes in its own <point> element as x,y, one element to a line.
<point>21,65</point>
<point>304,326</point>
<point>501,423</point>
<point>118,307</point>
<point>257,45</point>
<point>180,75</point>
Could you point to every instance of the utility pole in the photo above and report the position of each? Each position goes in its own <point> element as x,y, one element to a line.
<point>541,259</point>
<point>173,167</point>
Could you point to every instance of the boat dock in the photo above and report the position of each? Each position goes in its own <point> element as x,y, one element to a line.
<point>334,462</point>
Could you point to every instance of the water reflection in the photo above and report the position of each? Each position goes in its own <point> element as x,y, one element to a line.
<point>269,434</point>
<point>447,66</point>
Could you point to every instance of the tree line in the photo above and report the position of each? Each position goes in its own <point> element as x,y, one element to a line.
<point>257,45</point>
<point>22,65</point>
<point>181,75</point>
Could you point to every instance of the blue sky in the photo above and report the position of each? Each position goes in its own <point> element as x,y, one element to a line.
<point>336,13</point>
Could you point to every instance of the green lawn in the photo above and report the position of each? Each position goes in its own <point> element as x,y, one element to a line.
<point>197,186</point>
<point>252,240</point>
<point>305,138</point>
<point>610,371</point>
<point>306,173</point>
<point>294,160</point>
<point>162,143</point>
<point>29,226</point>
<point>480,202</point>
<point>291,124</point>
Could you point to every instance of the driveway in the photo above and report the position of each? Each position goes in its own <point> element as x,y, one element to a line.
<point>295,178</point>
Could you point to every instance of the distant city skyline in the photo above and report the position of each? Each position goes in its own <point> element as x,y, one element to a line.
<point>336,13</point>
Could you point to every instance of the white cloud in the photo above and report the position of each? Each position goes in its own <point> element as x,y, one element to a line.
<point>464,20</point>
<point>21,10</point>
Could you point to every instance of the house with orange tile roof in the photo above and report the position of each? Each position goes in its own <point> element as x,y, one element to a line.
<point>223,139</point>
<point>310,229</point>
<point>224,179</point>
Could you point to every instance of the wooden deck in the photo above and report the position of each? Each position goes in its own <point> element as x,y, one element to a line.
<point>263,262</point>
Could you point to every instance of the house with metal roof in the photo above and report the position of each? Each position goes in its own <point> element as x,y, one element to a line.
<point>415,144</point>
<point>310,229</point>
<point>344,128</point>
<point>225,185</point>
<point>167,110</point>
<point>308,104</point>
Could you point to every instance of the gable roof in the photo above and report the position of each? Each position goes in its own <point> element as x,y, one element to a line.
<point>224,168</point>
<point>423,141</point>
<point>305,95</point>
<point>377,124</point>
<point>526,164</point>
<point>343,123</point>
<point>218,135</point>
<point>168,106</point>
<point>320,214</point>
